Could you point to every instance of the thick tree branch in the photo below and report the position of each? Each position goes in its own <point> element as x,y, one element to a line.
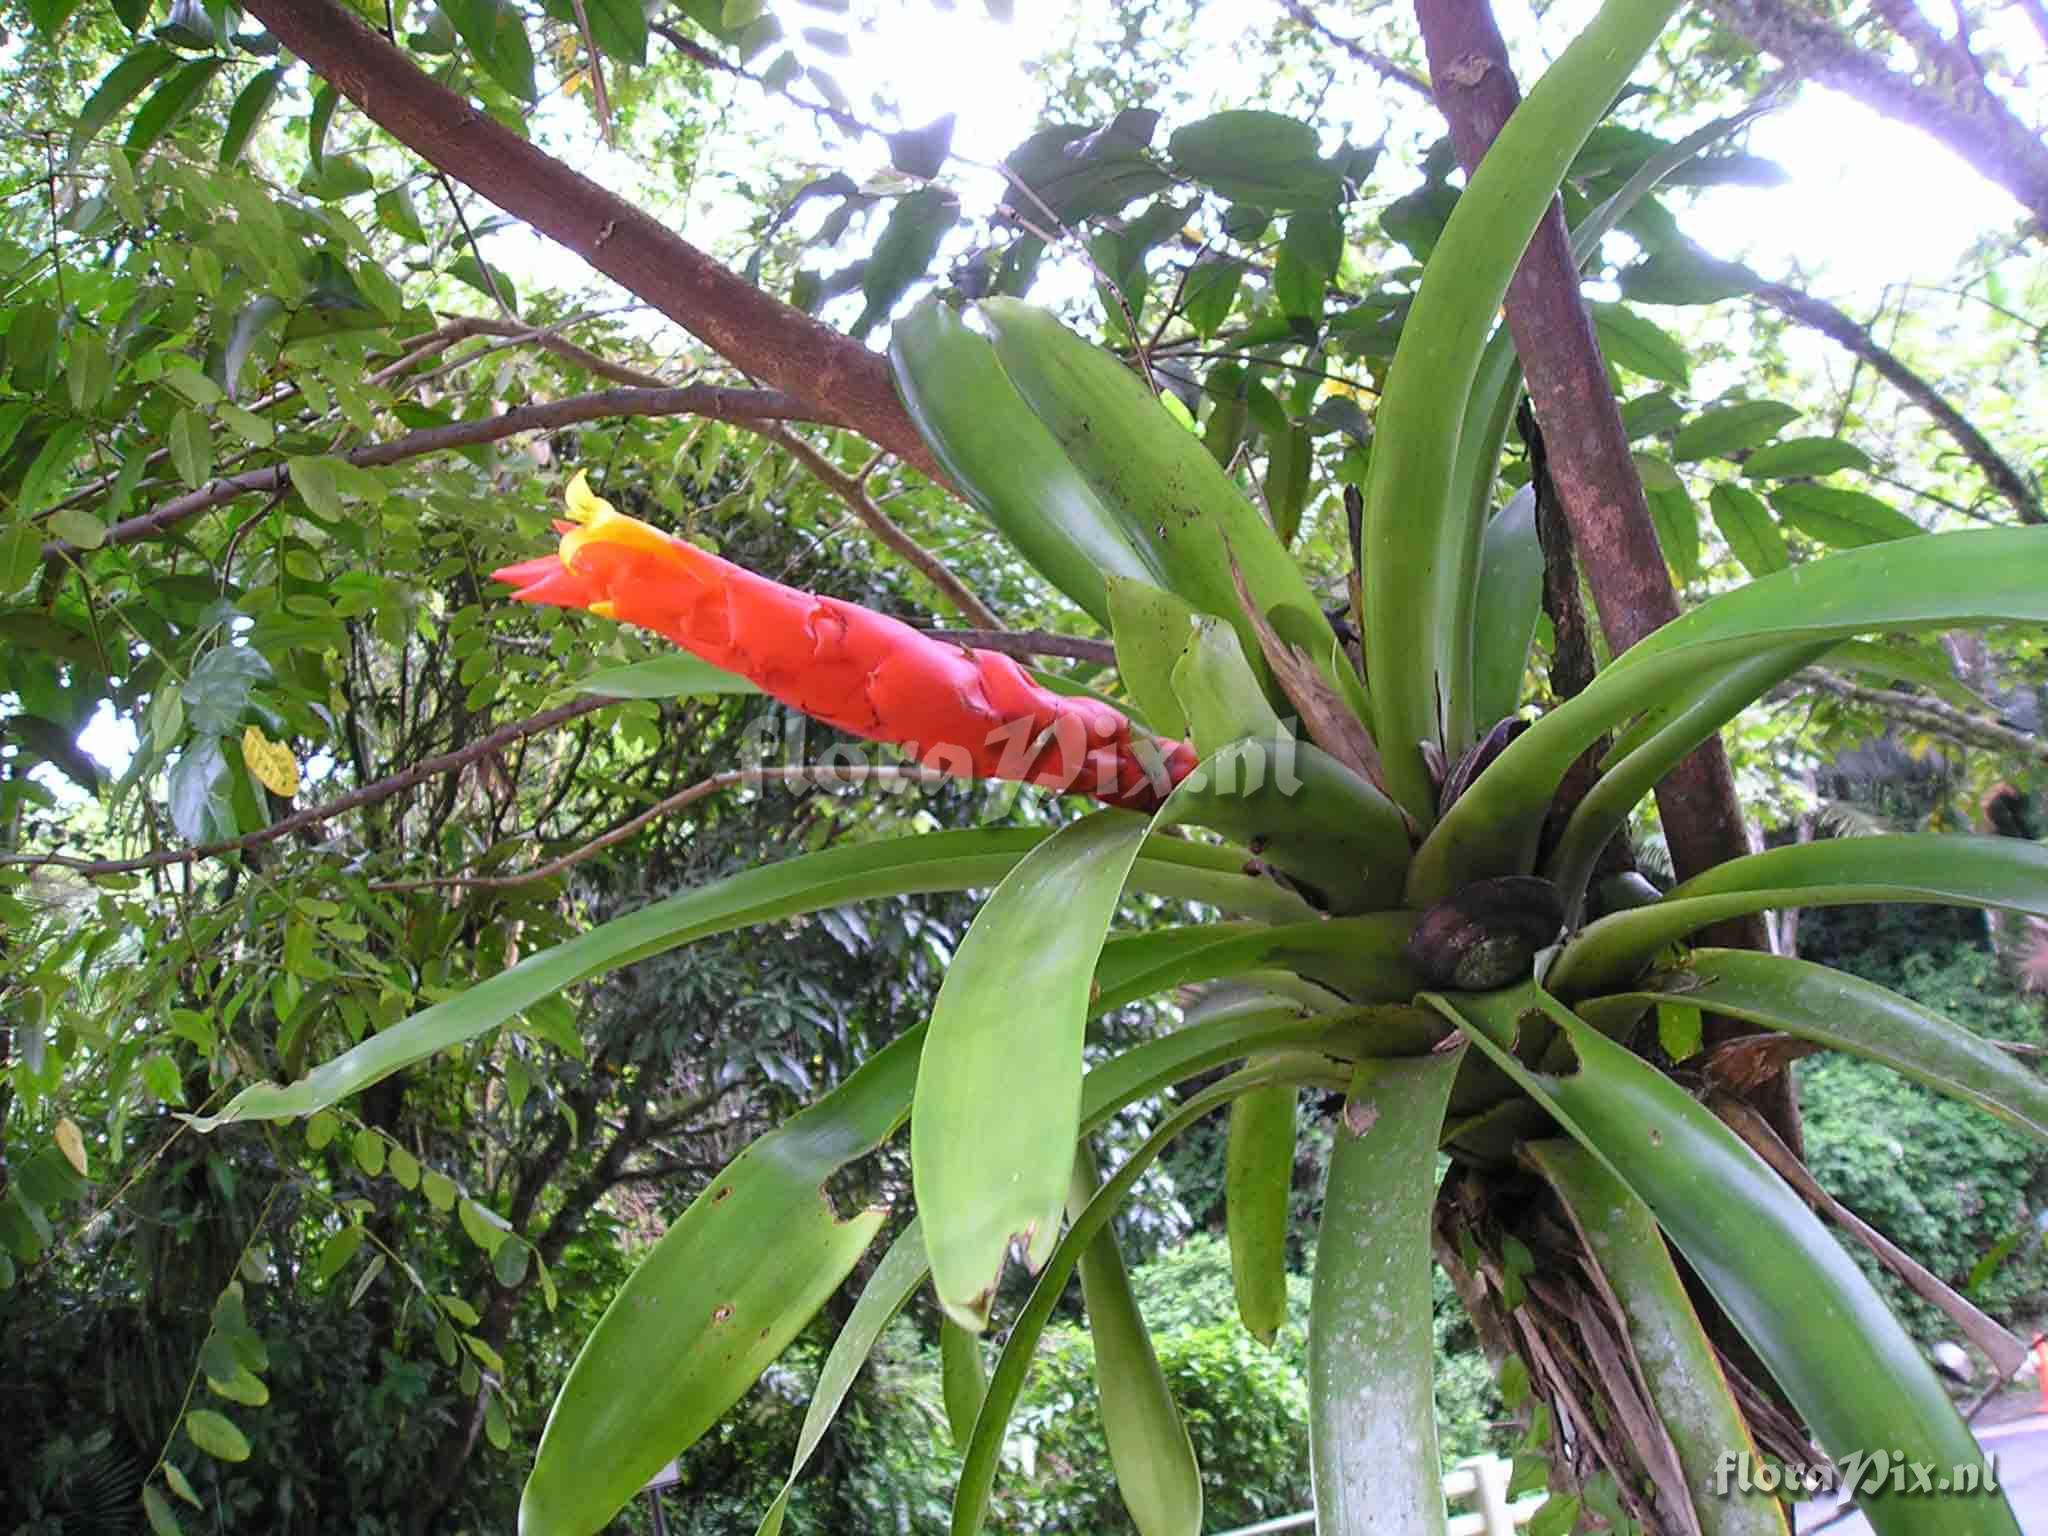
<point>1952,105</point>
<point>1841,328</point>
<point>841,381</point>
<point>1588,450</point>
<point>313,815</point>
<point>746,406</point>
<point>848,488</point>
<point>1588,456</point>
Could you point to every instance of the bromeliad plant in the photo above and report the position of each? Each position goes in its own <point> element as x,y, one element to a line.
<point>1412,915</point>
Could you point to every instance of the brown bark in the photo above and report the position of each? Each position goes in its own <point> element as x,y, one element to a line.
<point>1588,453</point>
<point>841,381</point>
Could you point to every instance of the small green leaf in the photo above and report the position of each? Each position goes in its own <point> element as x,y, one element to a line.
<point>158,1509</point>
<point>117,88</point>
<point>907,245</point>
<point>160,1076</point>
<point>1256,157</point>
<point>405,1168</point>
<point>171,101</point>
<point>368,1149</point>
<point>79,527</point>
<point>338,1250</point>
<point>1841,519</point>
<point>247,113</point>
<point>314,481</point>
<point>191,446</point>
<point>397,213</point>
<point>1727,430</point>
<point>496,1429</point>
<point>1798,456</point>
<point>216,1435</point>
<point>247,425</point>
<point>1677,522</point>
<point>1634,343</point>
<point>180,1486</point>
<point>439,1190</point>
<point>1746,525</point>
<point>509,1263</point>
<point>486,1228</point>
<point>320,1130</point>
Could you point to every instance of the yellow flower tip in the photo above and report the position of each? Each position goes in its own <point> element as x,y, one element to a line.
<point>605,524</point>
<point>585,505</point>
<point>605,608</point>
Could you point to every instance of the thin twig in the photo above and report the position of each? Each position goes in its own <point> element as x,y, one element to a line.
<point>826,773</point>
<point>599,97</point>
<point>1031,642</point>
<point>1841,328</point>
<point>745,406</point>
<point>849,490</point>
<point>313,815</point>
<point>1378,63</point>
<point>1931,714</point>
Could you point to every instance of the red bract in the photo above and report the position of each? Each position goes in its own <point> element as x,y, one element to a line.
<point>963,711</point>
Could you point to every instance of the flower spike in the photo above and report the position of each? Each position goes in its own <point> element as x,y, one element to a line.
<point>970,712</point>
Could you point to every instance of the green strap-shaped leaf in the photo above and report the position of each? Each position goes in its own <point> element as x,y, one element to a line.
<point>1945,870</point>
<point>1174,505</point>
<point>963,1375</point>
<point>999,1090</point>
<point>1678,1362</point>
<point>1258,1181</point>
<point>1653,749</point>
<point>1484,627</point>
<point>978,1466</point>
<point>1418,560</point>
<point>1847,1013</point>
<point>1849,1368</point>
<point>944,861</point>
<point>1371,1353</point>
<point>1139,1073</point>
<point>894,1281</point>
<point>1365,957</point>
<point>1006,462</point>
<point>1510,601</point>
<point>726,1288</point>
<point>1149,1449</point>
<point>1942,581</point>
<point>1152,628</point>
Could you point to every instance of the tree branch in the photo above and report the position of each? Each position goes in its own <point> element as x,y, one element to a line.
<point>747,406</point>
<point>1027,643</point>
<point>1930,714</point>
<point>886,773</point>
<point>1380,64</point>
<point>1588,457</point>
<point>842,381</point>
<point>313,815</point>
<point>848,489</point>
<point>1818,314</point>
<point>1954,106</point>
